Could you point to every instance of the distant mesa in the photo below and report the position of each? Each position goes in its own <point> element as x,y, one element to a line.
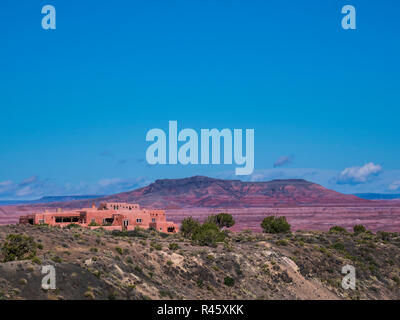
<point>205,192</point>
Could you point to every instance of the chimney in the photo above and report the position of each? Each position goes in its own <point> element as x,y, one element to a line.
<point>59,210</point>
<point>93,206</point>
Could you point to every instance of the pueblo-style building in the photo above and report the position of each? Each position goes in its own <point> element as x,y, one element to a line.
<point>110,216</point>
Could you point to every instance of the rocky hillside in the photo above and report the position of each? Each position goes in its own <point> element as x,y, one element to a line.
<point>95,264</point>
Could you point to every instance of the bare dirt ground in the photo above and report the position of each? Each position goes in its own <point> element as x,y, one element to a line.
<point>95,264</point>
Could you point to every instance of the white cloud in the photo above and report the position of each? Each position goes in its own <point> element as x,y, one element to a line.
<point>25,191</point>
<point>6,186</point>
<point>357,175</point>
<point>35,188</point>
<point>395,185</point>
<point>28,181</point>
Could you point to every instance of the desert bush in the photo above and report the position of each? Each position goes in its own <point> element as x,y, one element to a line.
<point>138,269</point>
<point>189,226</point>
<point>42,225</point>
<point>359,228</point>
<point>93,224</point>
<point>222,220</point>
<point>173,246</point>
<point>136,233</point>
<point>18,247</point>
<point>273,224</point>
<point>383,235</point>
<point>56,259</point>
<point>155,245</point>
<point>208,234</point>
<point>129,260</point>
<point>338,246</point>
<point>36,260</point>
<point>119,250</point>
<point>112,296</point>
<point>89,295</point>
<point>282,242</point>
<point>165,293</point>
<point>72,226</point>
<point>337,229</point>
<point>228,281</point>
<point>163,234</point>
<point>396,279</point>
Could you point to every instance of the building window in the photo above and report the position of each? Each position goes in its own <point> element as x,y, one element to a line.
<point>153,220</point>
<point>139,220</point>
<point>126,223</point>
<point>41,221</point>
<point>93,220</point>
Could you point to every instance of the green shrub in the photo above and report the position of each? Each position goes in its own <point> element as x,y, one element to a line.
<point>89,294</point>
<point>18,247</point>
<point>337,229</point>
<point>273,224</point>
<point>383,235</point>
<point>155,245</point>
<point>208,234</point>
<point>173,246</point>
<point>359,228</point>
<point>165,293</point>
<point>97,273</point>
<point>93,224</point>
<point>119,250</point>
<point>138,269</point>
<point>112,296</point>
<point>189,226</point>
<point>282,242</point>
<point>36,260</point>
<point>72,226</point>
<point>222,220</point>
<point>228,281</point>
<point>56,259</point>
<point>164,235</point>
<point>136,233</point>
<point>129,260</point>
<point>338,246</point>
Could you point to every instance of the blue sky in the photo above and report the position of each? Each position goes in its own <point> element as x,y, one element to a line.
<point>76,102</point>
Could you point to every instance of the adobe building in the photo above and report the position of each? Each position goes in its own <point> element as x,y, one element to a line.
<point>110,216</point>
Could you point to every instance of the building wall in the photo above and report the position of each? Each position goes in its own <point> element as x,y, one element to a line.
<point>125,216</point>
